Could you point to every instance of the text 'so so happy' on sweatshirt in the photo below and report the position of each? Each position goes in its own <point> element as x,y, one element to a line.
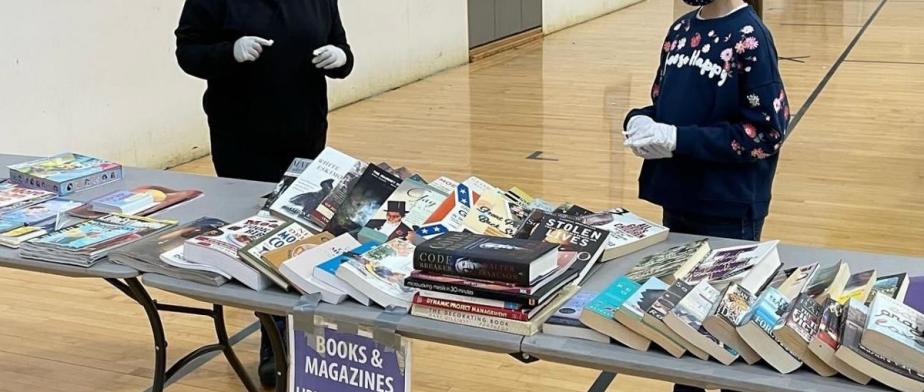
<point>719,83</point>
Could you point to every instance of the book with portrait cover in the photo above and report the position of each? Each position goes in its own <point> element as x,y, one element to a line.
<point>671,264</point>
<point>65,174</point>
<point>320,217</point>
<point>872,363</point>
<point>145,255</point>
<point>449,216</point>
<point>252,254</point>
<point>895,331</point>
<point>586,242</point>
<point>686,319</point>
<point>220,248</point>
<point>728,314</point>
<point>508,260</point>
<point>314,184</point>
<point>368,194</point>
<point>296,168</point>
<point>403,212</point>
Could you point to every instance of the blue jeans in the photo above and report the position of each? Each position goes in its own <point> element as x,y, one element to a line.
<point>743,228</point>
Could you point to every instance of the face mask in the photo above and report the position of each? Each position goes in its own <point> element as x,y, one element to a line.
<point>697,3</point>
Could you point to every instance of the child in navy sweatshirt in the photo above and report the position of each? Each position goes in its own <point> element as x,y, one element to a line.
<point>719,113</point>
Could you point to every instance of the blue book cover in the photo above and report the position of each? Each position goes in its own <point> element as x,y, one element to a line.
<point>6,226</point>
<point>613,297</point>
<point>768,309</point>
<point>570,314</point>
<point>38,213</point>
<point>644,297</point>
<point>331,266</point>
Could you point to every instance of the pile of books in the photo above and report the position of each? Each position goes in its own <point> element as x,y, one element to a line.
<point>741,303</point>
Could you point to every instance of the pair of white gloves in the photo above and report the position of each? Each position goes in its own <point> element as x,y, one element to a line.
<point>649,139</point>
<point>250,48</point>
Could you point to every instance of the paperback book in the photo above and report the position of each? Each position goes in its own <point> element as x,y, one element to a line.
<point>751,266</point>
<point>492,215</point>
<point>797,328</point>
<point>300,269</point>
<point>380,273</point>
<point>16,237</point>
<point>828,281</point>
<point>66,173</point>
<point>728,314</point>
<point>403,212</point>
<point>40,214</point>
<point>598,314</point>
<point>161,199</point>
<point>686,319</point>
<point>895,331</point>
<point>277,257</point>
<point>314,184</point>
<point>320,217</point>
<point>327,272</point>
<point>296,168</point>
<point>451,213</point>
<point>827,340</point>
<point>894,286</point>
<point>528,296</point>
<point>286,234</point>
<point>369,193</point>
<point>146,255</point>
<point>220,248</point>
<point>858,286</point>
<point>13,197</point>
<point>566,321</point>
<point>628,232</point>
<point>757,330</point>
<point>671,264</point>
<point>632,312</point>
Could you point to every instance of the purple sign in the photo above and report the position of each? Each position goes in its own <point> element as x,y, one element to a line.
<point>343,362</point>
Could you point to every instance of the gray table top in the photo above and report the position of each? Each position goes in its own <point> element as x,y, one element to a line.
<point>223,198</point>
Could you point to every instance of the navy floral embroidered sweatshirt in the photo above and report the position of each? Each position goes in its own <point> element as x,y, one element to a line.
<point>718,82</point>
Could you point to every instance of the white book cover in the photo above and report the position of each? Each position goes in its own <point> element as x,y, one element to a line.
<point>732,264</point>
<point>219,248</point>
<point>899,322</point>
<point>449,216</point>
<point>175,258</point>
<point>300,269</point>
<point>380,273</point>
<point>624,226</point>
<point>692,310</point>
<point>404,211</point>
<point>445,184</point>
<point>313,185</point>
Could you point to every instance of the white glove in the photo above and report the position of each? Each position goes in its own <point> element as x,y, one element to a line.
<point>249,48</point>
<point>329,57</point>
<point>651,140</point>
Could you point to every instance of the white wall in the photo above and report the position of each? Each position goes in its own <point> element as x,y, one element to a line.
<point>559,14</point>
<point>100,77</point>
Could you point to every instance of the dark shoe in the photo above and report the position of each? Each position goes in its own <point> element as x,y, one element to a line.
<point>267,367</point>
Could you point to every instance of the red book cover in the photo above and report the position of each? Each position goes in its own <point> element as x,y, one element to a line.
<point>491,311</point>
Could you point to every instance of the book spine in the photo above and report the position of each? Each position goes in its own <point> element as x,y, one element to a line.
<point>449,288</point>
<point>472,308</point>
<point>90,181</point>
<point>473,320</point>
<point>30,181</point>
<point>452,264</point>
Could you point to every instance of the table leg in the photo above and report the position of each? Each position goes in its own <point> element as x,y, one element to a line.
<point>279,350</point>
<point>140,295</point>
<point>228,349</point>
<point>603,381</point>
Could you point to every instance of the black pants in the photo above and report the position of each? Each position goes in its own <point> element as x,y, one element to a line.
<point>743,228</point>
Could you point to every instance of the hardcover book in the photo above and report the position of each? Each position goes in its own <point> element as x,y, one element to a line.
<point>728,314</point>
<point>628,232</point>
<point>162,198</point>
<point>313,185</point>
<point>320,217</point>
<point>404,211</point>
<point>380,273</point>
<point>508,260</point>
<point>145,255</point>
<point>65,173</point>
<point>252,254</point>
<point>586,242</point>
<point>632,312</point>
<point>370,191</point>
<point>300,269</point>
<point>490,290</point>
<point>598,314</point>
<point>296,168</point>
<point>895,331</point>
<point>13,196</point>
<point>449,216</point>
<point>671,264</point>
<point>686,319</point>
<point>854,353</point>
<point>220,248</point>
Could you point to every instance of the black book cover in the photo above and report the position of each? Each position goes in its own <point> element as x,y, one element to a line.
<point>370,191</point>
<point>480,256</point>
<point>570,235</point>
<point>667,301</point>
<point>533,299</point>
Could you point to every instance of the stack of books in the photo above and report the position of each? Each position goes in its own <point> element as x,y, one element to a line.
<point>504,284</point>
<point>85,243</point>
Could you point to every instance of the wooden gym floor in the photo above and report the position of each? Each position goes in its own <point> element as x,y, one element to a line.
<point>851,176</point>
